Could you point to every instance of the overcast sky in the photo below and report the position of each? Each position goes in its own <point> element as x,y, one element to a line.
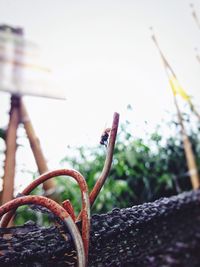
<point>103,55</point>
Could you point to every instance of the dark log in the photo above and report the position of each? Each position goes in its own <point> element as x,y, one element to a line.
<point>163,233</point>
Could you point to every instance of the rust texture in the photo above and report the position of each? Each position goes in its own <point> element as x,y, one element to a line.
<point>84,194</point>
<point>66,211</point>
<point>161,233</point>
<point>56,209</point>
<point>107,165</point>
<point>67,205</point>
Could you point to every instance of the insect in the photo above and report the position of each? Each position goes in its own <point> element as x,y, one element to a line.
<point>104,137</point>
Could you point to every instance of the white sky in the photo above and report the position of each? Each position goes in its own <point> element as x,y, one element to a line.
<point>103,55</point>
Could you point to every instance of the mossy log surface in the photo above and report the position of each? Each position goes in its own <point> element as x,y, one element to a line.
<point>162,233</point>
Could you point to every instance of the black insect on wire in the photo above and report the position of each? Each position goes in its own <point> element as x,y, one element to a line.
<point>105,136</point>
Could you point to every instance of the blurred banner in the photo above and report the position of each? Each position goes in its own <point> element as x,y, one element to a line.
<point>21,71</point>
<point>177,88</point>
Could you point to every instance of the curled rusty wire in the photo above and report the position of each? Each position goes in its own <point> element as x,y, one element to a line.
<point>107,164</point>
<point>85,212</point>
<point>58,211</point>
<point>87,200</point>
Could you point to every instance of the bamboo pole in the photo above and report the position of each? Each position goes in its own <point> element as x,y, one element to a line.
<point>190,102</point>
<point>49,186</point>
<point>190,157</point>
<point>189,154</point>
<point>11,147</point>
<point>193,109</point>
<point>194,14</point>
<point>168,67</point>
<point>196,19</point>
<point>19,113</point>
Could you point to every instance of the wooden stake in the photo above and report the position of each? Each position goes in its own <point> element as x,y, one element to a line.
<point>11,146</point>
<point>194,14</point>
<point>190,158</point>
<point>17,112</point>
<point>49,186</point>
<point>189,154</point>
<point>193,109</point>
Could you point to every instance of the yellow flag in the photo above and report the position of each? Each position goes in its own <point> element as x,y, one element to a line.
<point>177,89</point>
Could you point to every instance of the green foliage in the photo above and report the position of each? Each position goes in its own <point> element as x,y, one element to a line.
<point>143,169</point>
<point>2,133</point>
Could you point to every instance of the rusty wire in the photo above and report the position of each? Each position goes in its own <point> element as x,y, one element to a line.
<point>59,212</point>
<point>84,194</point>
<point>87,200</point>
<point>107,165</point>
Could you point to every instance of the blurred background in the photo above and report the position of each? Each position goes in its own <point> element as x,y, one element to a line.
<point>103,60</point>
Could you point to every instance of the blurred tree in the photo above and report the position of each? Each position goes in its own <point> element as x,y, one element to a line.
<point>2,133</point>
<point>143,169</point>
